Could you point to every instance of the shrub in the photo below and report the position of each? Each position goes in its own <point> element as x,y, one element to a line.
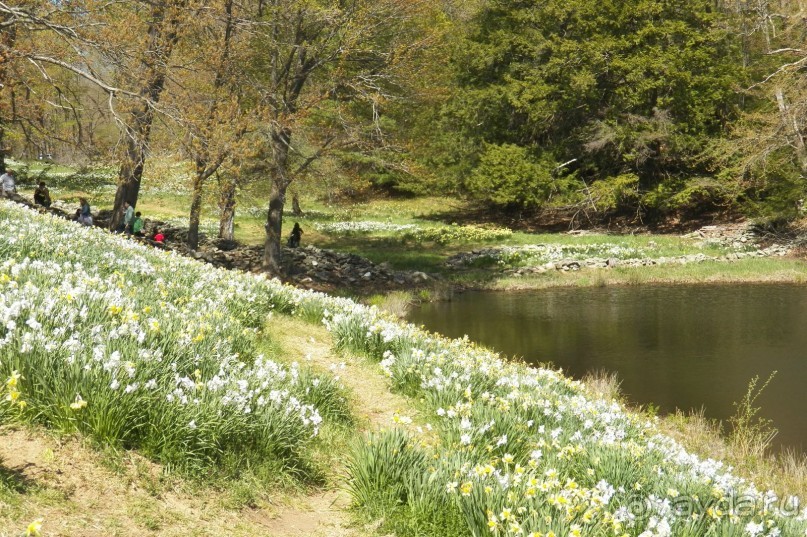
<point>508,175</point>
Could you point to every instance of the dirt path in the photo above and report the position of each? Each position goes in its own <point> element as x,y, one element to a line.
<point>75,492</point>
<point>373,402</point>
<point>325,513</point>
<point>78,491</point>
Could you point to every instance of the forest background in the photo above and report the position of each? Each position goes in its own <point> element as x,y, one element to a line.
<point>579,111</point>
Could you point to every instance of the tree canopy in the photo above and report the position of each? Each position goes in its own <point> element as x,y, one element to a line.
<point>564,94</point>
<point>599,107</point>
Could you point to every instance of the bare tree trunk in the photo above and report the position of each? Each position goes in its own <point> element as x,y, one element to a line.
<point>196,209</point>
<point>8,37</point>
<point>227,209</point>
<point>296,210</point>
<point>791,123</point>
<point>274,226</point>
<point>227,223</point>
<point>205,164</point>
<point>131,170</point>
<point>2,148</point>
<point>281,141</point>
<point>163,36</point>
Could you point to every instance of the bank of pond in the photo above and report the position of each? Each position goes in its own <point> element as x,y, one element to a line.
<point>672,346</point>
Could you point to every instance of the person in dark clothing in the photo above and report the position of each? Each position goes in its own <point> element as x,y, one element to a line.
<point>84,213</point>
<point>296,235</point>
<point>42,195</point>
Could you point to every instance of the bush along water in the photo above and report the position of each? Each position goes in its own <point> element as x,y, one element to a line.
<point>139,348</point>
<point>518,451</point>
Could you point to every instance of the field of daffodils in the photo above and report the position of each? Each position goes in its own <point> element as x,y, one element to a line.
<point>143,349</point>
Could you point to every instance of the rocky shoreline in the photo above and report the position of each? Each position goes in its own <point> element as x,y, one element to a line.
<point>740,237</point>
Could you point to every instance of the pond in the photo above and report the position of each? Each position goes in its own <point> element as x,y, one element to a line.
<point>685,347</point>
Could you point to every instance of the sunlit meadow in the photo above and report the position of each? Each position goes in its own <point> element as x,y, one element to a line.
<point>142,348</point>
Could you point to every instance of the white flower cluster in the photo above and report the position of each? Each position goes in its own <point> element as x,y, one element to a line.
<point>441,234</point>
<point>365,227</point>
<point>517,450</point>
<point>89,317</point>
<point>531,452</point>
<point>536,254</point>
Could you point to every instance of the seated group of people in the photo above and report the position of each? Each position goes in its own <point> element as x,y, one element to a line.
<point>131,224</point>
<point>8,185</point>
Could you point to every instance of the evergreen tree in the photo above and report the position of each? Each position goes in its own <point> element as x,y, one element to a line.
<point>591,90</point>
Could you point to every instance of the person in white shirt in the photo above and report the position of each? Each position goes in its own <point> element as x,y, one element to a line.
<point>7,182</point>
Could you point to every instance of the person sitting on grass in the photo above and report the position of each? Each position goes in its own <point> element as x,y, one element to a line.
<point>159,237</point>
<point>7,183</point>
<point>84,214</point>
<point>42,195</point>
<point>137,225</point>
<point>296,235</point>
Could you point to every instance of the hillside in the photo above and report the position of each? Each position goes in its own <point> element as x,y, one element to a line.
<point>213,378</point>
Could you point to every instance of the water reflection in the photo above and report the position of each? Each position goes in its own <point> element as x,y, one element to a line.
<point>673,346</point>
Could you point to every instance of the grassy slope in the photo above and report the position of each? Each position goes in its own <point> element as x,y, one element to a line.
<point>77,490</point>
<point>165,195</point>
<point>133,497</point>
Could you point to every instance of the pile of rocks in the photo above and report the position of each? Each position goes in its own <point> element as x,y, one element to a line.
<point>311,264</point>
<point>596,262</point>
<point>309,267</point>
<point>734,236</point>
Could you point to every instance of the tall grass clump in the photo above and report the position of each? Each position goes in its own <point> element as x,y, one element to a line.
<point>751,434</point>
<point>139,348</point>
<point>396,303</point>
<point>389,477</point>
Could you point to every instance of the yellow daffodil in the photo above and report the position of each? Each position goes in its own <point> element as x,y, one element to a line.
<point>34,528</point>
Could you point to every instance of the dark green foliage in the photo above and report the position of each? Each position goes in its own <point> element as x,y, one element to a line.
<point>556,92</point>
<point>509,175</point>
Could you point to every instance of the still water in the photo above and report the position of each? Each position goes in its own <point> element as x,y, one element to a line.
<point>673,346</point>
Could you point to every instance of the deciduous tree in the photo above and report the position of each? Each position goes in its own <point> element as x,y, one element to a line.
<point>318,67</point>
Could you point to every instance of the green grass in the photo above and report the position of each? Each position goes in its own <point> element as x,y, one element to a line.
<point>203,315</point>
<point>765,270</point>
<point>165,196</point>
<point>154,357</point>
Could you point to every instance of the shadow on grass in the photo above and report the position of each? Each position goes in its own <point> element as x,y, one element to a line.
<point>399,254</point>
<point>528,221</point>
<point>15,480</point>
<point>81,180</point>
